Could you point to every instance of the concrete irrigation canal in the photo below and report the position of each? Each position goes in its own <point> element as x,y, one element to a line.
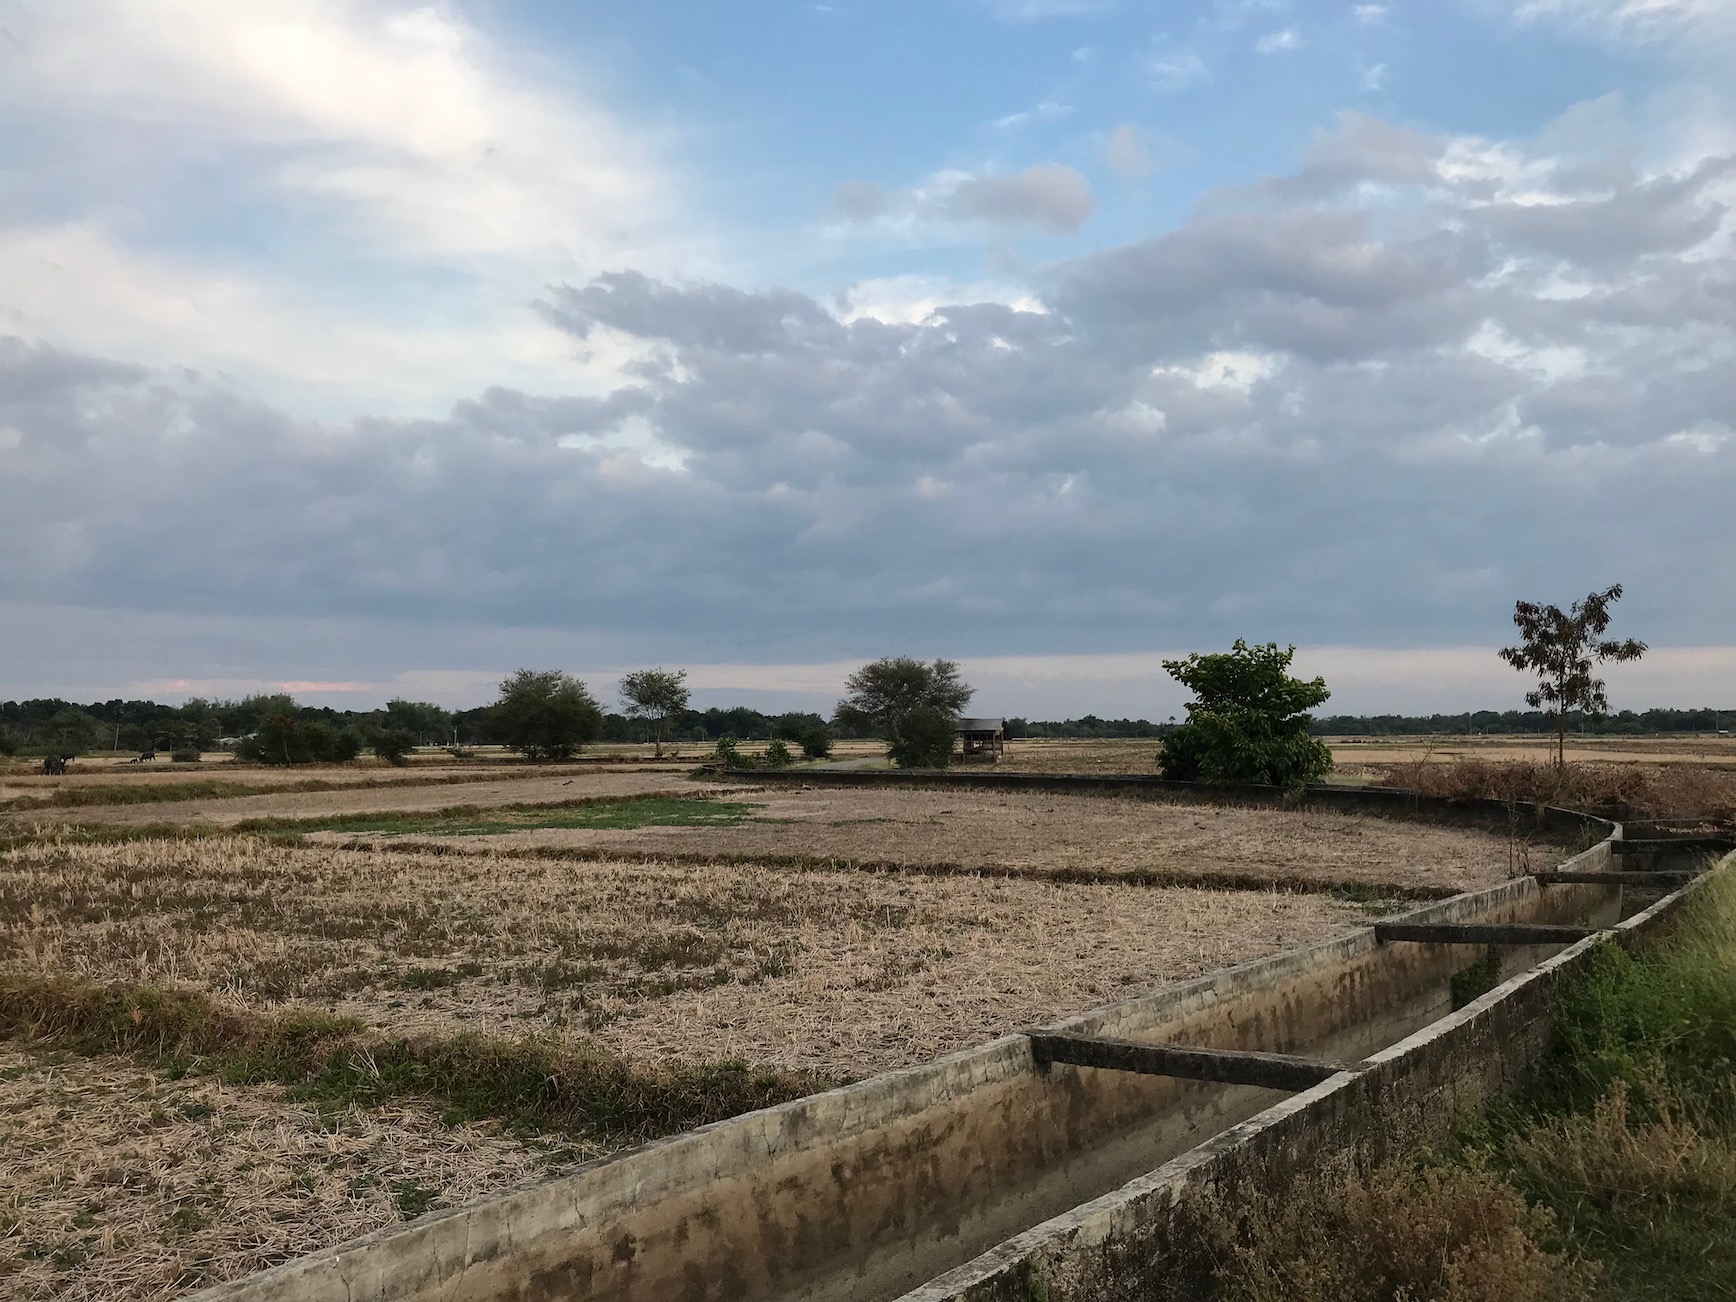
<point>1048,1164</point>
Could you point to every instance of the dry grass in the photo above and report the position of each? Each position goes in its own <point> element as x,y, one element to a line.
<point>1033,833</point>
<point>525,787</point>
<point>842,972</point>
<point>118,1183</point>
<point>1655,789</point>
<point>1114,755</point>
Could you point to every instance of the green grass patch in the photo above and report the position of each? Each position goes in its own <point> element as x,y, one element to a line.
<point>575,1088</point>
<point>472,820</point>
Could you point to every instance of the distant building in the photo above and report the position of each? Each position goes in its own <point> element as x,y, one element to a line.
<point>982,738</point>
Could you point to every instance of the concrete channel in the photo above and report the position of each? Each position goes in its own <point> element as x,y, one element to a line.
<point>1015,1170</point>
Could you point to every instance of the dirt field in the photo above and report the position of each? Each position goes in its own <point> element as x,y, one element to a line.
<point>846,971</point>
<point>1073,835</point>
<point>118,1183</point>
<point>491,790</point>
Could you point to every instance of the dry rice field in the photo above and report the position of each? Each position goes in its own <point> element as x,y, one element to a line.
<point>844,972</point>
<point>535,786</point>
<point>119,1182</point>
<point>1038,833</point>
<point>642,943</point>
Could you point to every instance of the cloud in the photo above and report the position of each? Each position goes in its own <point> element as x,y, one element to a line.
<point>408,123</point>
<point>1048,197</point>
<point>1279,42</point>
<point>1372,401</point>
<point>341,196</point>
<point>1175,67</point>
<point>1372,15</point>
<point>1645,19</point>
<point>1031,11</point>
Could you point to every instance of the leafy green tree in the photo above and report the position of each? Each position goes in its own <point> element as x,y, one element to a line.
<point>284,739</point>
<point>392,745</point>
<point>884,690</point>
<point>655,696</point>
<point>546,714</point>
<point>1248,721</point>
<point>1561,648</point>
<point>425,722</point>
<point>778,755</point>
<point>816,743</point>
<point>921,738</point>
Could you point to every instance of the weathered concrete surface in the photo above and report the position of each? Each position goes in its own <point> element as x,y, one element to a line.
<point>866,1192</point>
<point>1116,1246</point>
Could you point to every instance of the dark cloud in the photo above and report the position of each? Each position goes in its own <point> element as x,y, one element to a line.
<point>1301,417</point>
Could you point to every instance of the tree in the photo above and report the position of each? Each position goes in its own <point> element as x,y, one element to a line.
<point>392,745</point>
<point>546,714</point>
<point>885,689</point>
<point>1248,721</point>
<point>921,738</point>
<point>1561,648</point>
<point>656,696</point>
<point>424,721</point>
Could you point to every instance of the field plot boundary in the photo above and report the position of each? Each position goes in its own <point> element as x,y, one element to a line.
<point>512,1246</point>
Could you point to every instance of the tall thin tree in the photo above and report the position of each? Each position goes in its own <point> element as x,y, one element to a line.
<point>1562,648</point>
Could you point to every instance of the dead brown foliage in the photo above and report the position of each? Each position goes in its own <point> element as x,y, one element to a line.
<point>118,1183</point>
<point>1074,836</point>
<point>1658,790</point>
<point>1398,1235</point>
<point>843,972</point>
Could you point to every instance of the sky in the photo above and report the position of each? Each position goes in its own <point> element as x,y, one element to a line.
<point>380,348</point>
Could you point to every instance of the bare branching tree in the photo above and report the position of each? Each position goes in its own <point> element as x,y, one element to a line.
<point>1561,648</point>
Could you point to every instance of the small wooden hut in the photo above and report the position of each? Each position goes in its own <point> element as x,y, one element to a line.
<point>982,739</point>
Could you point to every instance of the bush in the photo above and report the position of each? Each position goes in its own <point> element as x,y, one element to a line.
<point>1248,721</point>
<point>185,755</point>
<point>778,755</point>
<point>816,743</point>
<point>392,745</point>
<point>921,738</point>
<point>1441,1235</point>
<point>727,755</point>
<point>8,743</point>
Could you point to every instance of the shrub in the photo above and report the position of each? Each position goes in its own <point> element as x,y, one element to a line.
<point>1248,721</point>
<point>816,743</point>
<point>778,755</point>
<point>392,745</point>
<point>8,743</point>
<point>1445,1235</point>
<point>921,738</point>
<point>185,755</point>
<point>727,755</point>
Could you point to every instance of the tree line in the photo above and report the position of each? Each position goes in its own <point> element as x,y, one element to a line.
<point>1248,721</point>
